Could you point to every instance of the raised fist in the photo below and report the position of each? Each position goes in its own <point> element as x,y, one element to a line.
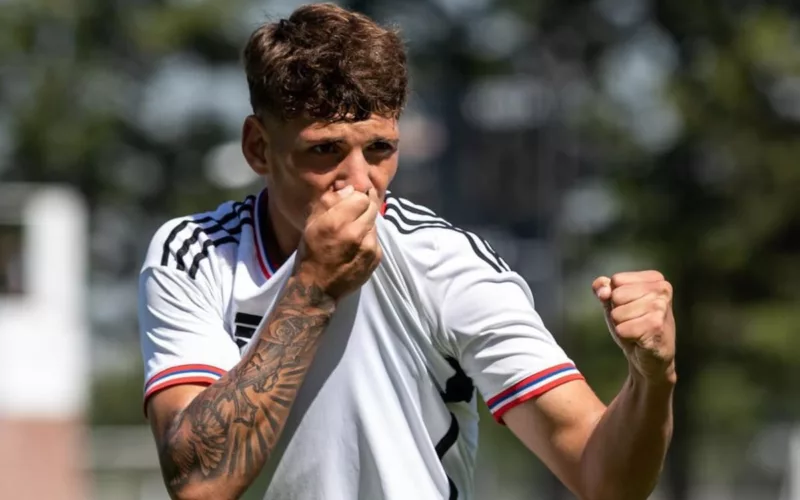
<point>638,310</point>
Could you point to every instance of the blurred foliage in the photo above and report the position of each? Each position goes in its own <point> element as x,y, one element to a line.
<point>687,113</point>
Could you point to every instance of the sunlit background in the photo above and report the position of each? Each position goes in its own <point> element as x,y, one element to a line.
<point>579,137</point>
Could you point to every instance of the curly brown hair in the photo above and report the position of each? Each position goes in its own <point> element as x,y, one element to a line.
<point>327,63</point>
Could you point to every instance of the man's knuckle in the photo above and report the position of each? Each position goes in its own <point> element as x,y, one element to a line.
<point>350,235</point>
<point>654,322</point>
<point>658,304</point>
<point>625,331</point>
<point>368,250</point>
<point>322,228</point>
<point>362,200</point>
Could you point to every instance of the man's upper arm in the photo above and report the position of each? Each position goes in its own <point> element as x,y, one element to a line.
<point>165,405</point>
<point>556,427</point>
<point>183,339</point>
<point>527,380</point>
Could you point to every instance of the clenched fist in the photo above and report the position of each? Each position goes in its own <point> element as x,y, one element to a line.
<point>638,309</point>
<point>339,249</point>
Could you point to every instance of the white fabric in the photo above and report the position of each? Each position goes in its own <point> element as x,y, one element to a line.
<point>370,421</point>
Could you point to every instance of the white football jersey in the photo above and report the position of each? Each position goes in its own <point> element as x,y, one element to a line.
<point>388,409</point>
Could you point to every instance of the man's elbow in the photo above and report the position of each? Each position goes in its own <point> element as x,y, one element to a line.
<point>183,482</point>
<point>617,492</point>
<point>184,493</point>
<point>603,486</point>
<point>179,488</point>
<point>195,492</point>
<point>182,489</point>
<point>611,496</point>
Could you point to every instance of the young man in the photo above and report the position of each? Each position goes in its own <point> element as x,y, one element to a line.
<point>331,332</point>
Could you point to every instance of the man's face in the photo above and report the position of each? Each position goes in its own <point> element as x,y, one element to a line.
<point>302,159</point>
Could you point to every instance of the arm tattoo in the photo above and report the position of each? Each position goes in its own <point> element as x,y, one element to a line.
<point>229,429</point>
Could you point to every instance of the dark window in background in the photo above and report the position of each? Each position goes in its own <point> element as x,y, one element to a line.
<point>11,255</point>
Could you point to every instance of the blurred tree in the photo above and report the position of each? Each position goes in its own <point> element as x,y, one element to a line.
<point>80,104</point>
<point>86,88</point>
<point>717,210</point>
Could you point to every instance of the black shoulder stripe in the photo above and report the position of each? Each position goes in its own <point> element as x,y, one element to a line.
<point>415,208</point>
<point>410,207</point>
<point>405,217</point>
<point>174,233</point>
<point>488,258</point>
<point>410,225</point>
<point>213,229</point>
<point>204,252</point>
<point>232,237</point>
<point>496,255</point>
<point>231,231</point>
<point>404,229</point>
<point>412,216</point>
<point>236,210</point>
<point>488,248</point>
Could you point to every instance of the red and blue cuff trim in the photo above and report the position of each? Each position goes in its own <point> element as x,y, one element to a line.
<point>531,387</point>
<point>182,374</point>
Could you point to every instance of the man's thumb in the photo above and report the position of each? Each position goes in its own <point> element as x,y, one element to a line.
<point>602,288</point>
<point>345,191</point>
<point>327,201</point>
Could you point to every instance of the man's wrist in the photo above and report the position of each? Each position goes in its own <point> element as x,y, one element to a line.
<point>315,295</point>
<point>660,383</point>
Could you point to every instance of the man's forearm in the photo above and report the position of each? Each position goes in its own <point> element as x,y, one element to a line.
<point>625,454</point>
<point>218,444</point>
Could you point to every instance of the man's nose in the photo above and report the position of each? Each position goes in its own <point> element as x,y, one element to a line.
<point>355,172</point>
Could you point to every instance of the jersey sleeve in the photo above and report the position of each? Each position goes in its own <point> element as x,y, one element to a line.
<point>487,313</point>
<point>181,327</point>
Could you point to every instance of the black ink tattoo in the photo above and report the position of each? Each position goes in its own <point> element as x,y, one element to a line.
<point>229,430</point>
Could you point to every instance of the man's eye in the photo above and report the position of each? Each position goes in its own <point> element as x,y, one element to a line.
<point>324,149</point>
<point>382,146</point>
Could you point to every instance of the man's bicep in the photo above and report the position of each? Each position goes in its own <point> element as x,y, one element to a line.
<point>556,426</point>
<point>163,407</point>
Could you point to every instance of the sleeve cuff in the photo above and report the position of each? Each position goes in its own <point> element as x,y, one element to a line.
<point>178,375</point>
<point>530,387</point>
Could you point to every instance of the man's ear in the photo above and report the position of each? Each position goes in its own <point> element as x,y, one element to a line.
<point>256,145</point>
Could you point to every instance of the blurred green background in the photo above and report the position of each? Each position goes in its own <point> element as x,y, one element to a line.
<point>580,137</point>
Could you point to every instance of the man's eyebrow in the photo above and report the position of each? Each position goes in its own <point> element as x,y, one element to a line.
<point>334,139</point>
<point>379,138</point>
<point>338,140</point>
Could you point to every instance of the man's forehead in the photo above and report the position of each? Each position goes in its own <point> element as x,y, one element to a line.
<point>375,125</point>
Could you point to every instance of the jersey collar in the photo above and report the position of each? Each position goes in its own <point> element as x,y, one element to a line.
<point>261,253</point>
